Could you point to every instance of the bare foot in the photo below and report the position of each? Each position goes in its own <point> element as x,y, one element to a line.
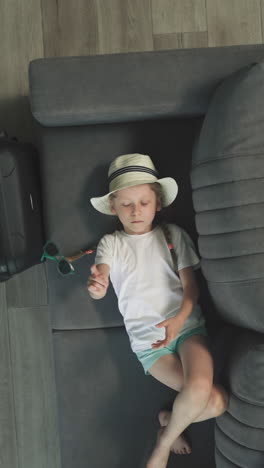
<point>180,446</point>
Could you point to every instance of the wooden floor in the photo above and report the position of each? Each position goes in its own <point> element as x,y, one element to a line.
<point>45,28</point>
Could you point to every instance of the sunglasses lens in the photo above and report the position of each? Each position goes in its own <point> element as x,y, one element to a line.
<point>51,249</point>
<point>64,267</point>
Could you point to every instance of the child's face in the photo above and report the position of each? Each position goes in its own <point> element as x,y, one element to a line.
<point>136,208</point>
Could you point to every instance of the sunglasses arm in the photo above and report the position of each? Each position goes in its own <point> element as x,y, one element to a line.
<point>79,254</point>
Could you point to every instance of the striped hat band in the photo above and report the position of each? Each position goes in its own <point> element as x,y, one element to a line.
<point>123,170</point>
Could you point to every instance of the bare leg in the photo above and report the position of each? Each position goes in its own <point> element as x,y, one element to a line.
<point>196,393</point>
<point>217,405</point>
<point>180,446</point>
<point>168,370</point>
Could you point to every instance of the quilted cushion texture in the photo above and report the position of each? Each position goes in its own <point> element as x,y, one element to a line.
<point>228,180</point>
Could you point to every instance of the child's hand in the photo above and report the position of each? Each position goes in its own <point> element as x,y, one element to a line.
<point>97,283</point>
<point>172,327</point>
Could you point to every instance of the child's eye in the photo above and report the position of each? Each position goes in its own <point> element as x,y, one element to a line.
<point>126,204</point>
<point>144,203</point>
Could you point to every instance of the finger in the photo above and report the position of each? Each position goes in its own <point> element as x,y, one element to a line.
<point>94,285</point>
<point>94,270</point>
<point>158,345</point>
<point>97,279</point>
<point>161,324</point>
<point>102,280</point>
<point>93,289</point>
<point>98,284</point>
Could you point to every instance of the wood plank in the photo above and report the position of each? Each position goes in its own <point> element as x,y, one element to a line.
<point>28,288</point>
<point>176,16</point>
<point>70,28</point>
<point>34,388</point>
<point>167,41</point>
<point>262,19</point>
<point>21,41</point>
<point>96,27</point>
<point>180,40</point>
<point>194,40</point>
<point>8,439</point>
<point>124,26</point>
<point>233,22</point>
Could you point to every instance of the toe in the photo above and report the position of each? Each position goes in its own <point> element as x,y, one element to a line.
<point>163,417</point>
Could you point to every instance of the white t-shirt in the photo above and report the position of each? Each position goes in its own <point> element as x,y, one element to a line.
<point>147,288</point>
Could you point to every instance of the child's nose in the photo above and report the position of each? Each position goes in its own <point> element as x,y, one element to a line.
<point>136,209</point>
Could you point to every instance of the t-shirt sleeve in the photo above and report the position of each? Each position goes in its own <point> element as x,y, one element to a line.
<point>184,249</point>
<point>104,251</point>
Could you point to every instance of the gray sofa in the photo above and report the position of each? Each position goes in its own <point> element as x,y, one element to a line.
<point>172,105</point>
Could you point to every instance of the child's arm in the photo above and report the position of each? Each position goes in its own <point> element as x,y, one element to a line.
<point>190,293</point>
<point>98,281</point>
<point>190,298</point>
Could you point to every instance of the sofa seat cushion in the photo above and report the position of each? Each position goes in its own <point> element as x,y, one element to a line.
<point>108,408</point>
<point>74,166</point>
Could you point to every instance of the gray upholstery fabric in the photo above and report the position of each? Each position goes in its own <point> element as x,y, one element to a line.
<point>246,369</point>
<point>231,300</point>
<point>248,436</point>
<point>74,165</point>
<point>135,86</point>
<point>241,455</point>
<point>222,461</point>
<point>226,195</point>
<point>227,178</point>
<point>242,425</point>
<point>232,244</point>
<point>226,170</point>
<point>233,124</point>
<point>247,413</point>
<point>108,408</point>
<point>230,219</point>
<point>101,386</point>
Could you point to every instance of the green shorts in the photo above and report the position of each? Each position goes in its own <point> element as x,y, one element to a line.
<point>147,357</point>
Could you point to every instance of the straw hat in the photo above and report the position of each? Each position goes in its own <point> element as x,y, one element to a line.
<point>129,170</point>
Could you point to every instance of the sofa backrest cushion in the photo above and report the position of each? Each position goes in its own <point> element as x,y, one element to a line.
<point>228,180</point>
<point>67,91</point>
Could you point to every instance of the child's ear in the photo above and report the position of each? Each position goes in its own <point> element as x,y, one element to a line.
<point>158,208</point>
<point>112,207</point>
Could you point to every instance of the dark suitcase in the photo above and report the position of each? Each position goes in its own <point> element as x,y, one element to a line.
<point>21,228</point>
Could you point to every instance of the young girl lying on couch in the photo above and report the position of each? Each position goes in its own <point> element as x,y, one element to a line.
<point>158,302</point>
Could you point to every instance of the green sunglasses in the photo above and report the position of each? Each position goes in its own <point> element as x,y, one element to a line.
<point>64,266</point>
<point>51,251</point>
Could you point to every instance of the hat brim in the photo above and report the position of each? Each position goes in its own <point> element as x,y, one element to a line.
<point>169,193</point>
